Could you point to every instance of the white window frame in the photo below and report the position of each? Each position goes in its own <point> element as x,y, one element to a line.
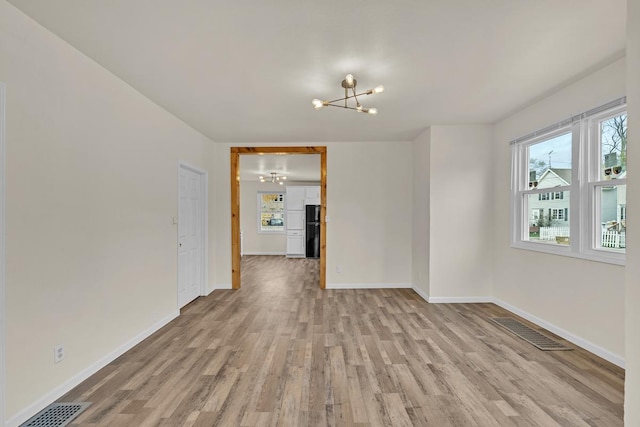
<point>591,191</point>
<point>584,190</point>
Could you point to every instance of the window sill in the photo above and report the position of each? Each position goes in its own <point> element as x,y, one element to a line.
<point>605,256</point>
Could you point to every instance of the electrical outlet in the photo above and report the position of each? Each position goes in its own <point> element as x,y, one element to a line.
<point>58,353</point>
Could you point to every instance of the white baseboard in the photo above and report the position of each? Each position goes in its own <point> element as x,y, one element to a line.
<point>264,253</point>
<point>368,285</point>
<point>459,300</point>
<point>420,292</point>
<point>580,342</point>
<point>65,387</point>
<point>222,286</point>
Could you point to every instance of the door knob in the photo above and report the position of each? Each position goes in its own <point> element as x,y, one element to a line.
<point>180,244</point>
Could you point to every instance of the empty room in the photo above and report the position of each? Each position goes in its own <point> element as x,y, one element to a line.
<point>331,213</point>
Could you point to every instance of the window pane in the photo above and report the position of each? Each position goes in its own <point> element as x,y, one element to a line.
<point>548,217</point>
<point>271,211</point>
<point>613,146</point>
<point>613,216</point>
<point>550,162</point>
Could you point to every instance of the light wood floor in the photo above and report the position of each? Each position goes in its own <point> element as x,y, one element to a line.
<point>280,351</point>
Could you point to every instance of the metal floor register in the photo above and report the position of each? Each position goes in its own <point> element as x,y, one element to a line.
<point>528,334</point>
<point>57,415</point>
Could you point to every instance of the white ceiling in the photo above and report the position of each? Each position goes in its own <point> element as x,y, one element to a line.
<point>296,167</point>
<point>246,71</point>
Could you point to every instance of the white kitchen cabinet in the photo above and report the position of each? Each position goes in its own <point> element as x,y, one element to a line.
<point>312,195</point>
<point>295,198</point>
<point>295,220</point>
<point>295,243</point>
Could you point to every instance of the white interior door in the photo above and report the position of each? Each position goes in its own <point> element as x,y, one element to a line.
<point>191,209</point>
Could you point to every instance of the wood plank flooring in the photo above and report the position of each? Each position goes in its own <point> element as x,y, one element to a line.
<point>280,351</point>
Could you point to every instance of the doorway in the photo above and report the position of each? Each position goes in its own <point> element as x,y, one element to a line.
<point>235,154</point>
<point>192,231</point>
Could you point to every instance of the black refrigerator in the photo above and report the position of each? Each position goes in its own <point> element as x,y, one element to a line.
<point>312,231</point>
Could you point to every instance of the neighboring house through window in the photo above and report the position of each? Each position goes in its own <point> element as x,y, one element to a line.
<point>569,186</point>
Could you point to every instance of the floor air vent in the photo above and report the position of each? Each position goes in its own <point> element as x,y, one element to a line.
<point>530,335</point>
<point>57,415</point>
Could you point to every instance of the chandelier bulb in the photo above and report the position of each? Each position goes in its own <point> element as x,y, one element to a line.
<point>378,89</point>
<point>373,111</point>
<point>317,104</point>
<point>358,107</point>
<point>281,183</point>
<point>349,79</point>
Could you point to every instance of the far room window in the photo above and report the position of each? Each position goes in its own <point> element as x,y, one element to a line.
<point>270,212</point>
<point>569,186</point>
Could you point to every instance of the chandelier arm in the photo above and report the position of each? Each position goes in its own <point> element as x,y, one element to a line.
<point>355,96</point>
<point>341,106</point>
<point>348,97</point>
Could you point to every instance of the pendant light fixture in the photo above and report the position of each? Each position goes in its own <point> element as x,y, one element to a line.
<point>349,84</point>
<point>274,177</point>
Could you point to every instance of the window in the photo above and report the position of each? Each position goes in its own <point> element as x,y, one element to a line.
<point>569,186</point>
<point>560,214</point>
<point>270,212</point>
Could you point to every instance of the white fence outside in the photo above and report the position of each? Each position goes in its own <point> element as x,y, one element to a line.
<point>610,238</point>
<point>550,233</point>
<point>613,239</point>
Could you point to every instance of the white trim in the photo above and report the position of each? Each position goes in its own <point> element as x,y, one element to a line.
<point>204,190</point>
<point>420,292</point>
<point>222,286</point>
<point>460,300</point>
<point>72,382</point>
<point>266,253</point>
<point>580,342</point>
<point>2,255</point>
<point>369,286</point>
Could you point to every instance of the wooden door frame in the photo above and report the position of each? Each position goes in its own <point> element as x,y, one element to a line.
<point>235,203</point>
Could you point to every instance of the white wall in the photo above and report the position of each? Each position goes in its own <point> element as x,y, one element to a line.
<point>369,203</point>
<point>632,383</point>
<point>91,189</point>
<point>461,218</point>
<point>583,298</point>
<point>255,243</point>
<point>421,211</point>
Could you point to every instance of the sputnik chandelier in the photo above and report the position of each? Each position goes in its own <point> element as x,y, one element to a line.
<point>349,84</point>
<point>274,177</point>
